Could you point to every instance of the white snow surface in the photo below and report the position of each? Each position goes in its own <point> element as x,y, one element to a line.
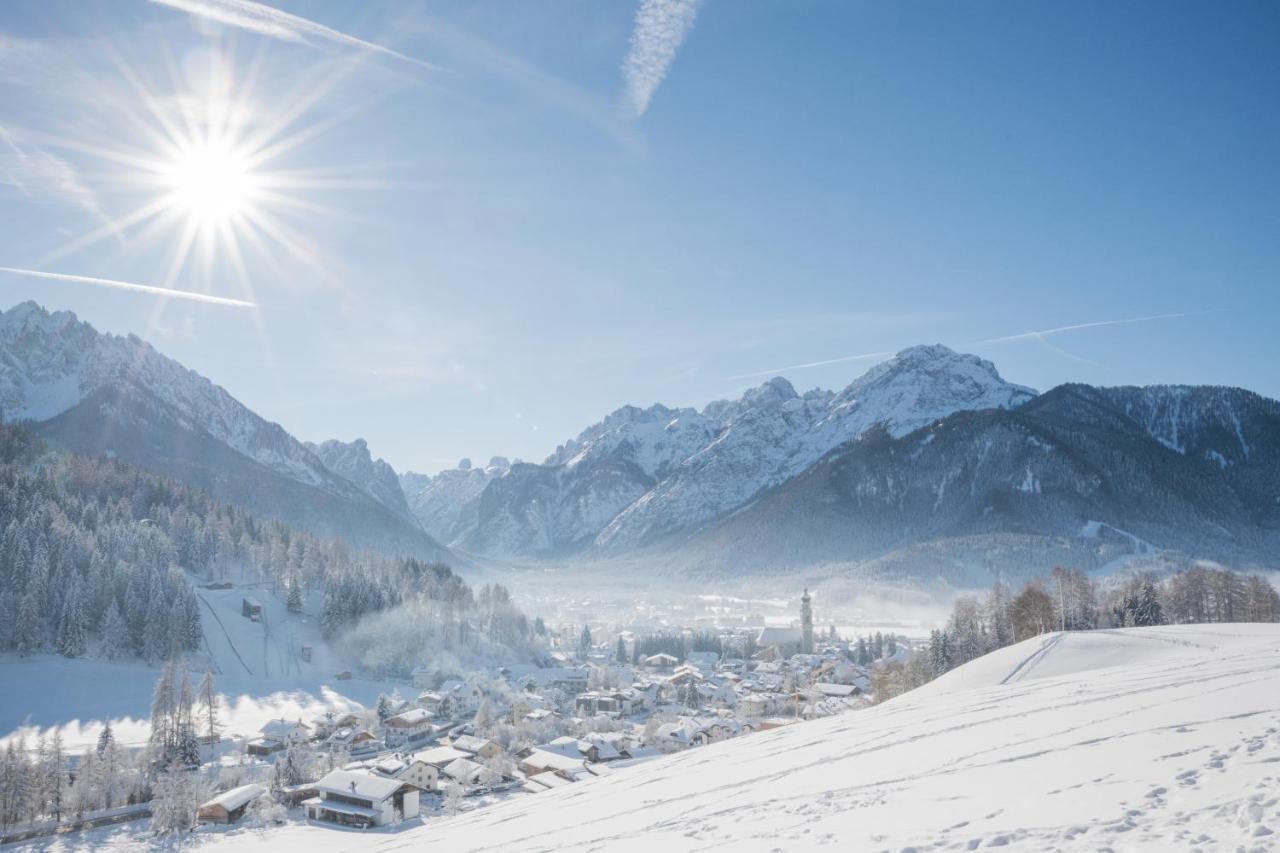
<point>1138,739</point>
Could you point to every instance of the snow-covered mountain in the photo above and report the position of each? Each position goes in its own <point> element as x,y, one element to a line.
<point>103,393</point>
<point>641,475</point>
<point>1061,478</point>
<point>353,461</point>
<point>445,504</point>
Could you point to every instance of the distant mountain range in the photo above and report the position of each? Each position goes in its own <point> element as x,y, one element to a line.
<point>928,465</point>
<point>100,393</point>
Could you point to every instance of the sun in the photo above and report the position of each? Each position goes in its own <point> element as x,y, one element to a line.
<point>211,182</point>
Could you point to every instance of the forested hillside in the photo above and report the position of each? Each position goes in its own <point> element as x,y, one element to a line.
<point>95,556</point>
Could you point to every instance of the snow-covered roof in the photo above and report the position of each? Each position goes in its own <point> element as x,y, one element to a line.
<point>439,756</point>
<point>548,760</point>
<point>412,717</point>
<point>281,728</point>
<point>470,743</point>
<point>355,783</point>
<point>462,769</point>
<point>236,797</point>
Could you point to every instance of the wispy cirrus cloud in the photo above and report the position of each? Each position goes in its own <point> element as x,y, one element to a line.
<point>42,176</point>
<point>1044,333</point>
<point>823,363</point>
<point>1039,336</point>
<point>275,23</point>
<point>661,27</point>
<point>129,285</point>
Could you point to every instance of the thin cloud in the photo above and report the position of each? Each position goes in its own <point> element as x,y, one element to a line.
<point>274,23</point>
<point>1040,336</point>
<point>39,175</point>
<point>661,27</point>
<point>560,93</point>
<point>128,285</point>
<point>840,360</point>
<point>1044,333</point>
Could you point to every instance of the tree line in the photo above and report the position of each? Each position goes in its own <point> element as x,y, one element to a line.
<point>1070,600</point>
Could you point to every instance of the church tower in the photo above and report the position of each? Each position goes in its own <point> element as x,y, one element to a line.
<point>806,623</point>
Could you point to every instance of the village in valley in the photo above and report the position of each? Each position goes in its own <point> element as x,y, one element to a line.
<point>604,698</point>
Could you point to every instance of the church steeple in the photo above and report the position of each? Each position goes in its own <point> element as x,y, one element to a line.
<point>806,623</point>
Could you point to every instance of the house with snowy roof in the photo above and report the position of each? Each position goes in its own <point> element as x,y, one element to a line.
<point>229,806</point>
<point>407,728</point>
<point>479,748</point>
<point>362,799</point>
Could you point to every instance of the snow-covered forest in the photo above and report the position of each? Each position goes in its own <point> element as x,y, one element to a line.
<point>96,559</point>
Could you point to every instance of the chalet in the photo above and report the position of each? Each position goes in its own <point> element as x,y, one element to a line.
<point>459,698</point>
<point>438,757</point>
<point>595,702</point>
<point>288,732</point>
<point>421,774</point>
<point>672,737</point>
<point>278,735</point>
<point>466,772</point>
<point>540,760</point>
<point>356,741</point>
<point>661,662</point>
<point>570,679</point>
<point>356,798</point>
<point>326,724</point>
<point>251,609</point>
<point>431,702</point>
<point>479,748</point>
<point>229,806</point>
<point>407,728</point>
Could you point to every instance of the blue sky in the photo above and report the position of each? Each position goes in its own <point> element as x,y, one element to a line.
<point>491,223</point>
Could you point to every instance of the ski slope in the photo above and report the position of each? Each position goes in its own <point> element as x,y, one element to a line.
<point>257,666</point>
<point>1139,739</point>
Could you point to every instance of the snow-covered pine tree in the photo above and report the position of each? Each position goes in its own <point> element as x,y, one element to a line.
<point>72,630</point>
<point>174,802</point>
<point>209,707</point>
<point>115,636</point>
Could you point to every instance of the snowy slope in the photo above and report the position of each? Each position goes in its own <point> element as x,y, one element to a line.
<point>257,668</point>
<point>1142,739</point>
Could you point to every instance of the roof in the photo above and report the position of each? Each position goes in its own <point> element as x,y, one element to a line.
<point>470,743</point>
<point>776,636</point>
<point>236,797</point>
<point>412,717</point>
<point>551,760</point>
<point>462,768</point>
<point>438,756</point>
<point>834,689</point>
<point>367,785</point>
<point>339,806</point>
<point>281,727</point>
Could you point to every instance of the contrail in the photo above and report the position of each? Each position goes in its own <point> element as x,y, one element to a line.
<point>128,285</point>
<point>1024,336</point>
<point>822,363</point>
<point>275,23</point>
<point>1046,332</point>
